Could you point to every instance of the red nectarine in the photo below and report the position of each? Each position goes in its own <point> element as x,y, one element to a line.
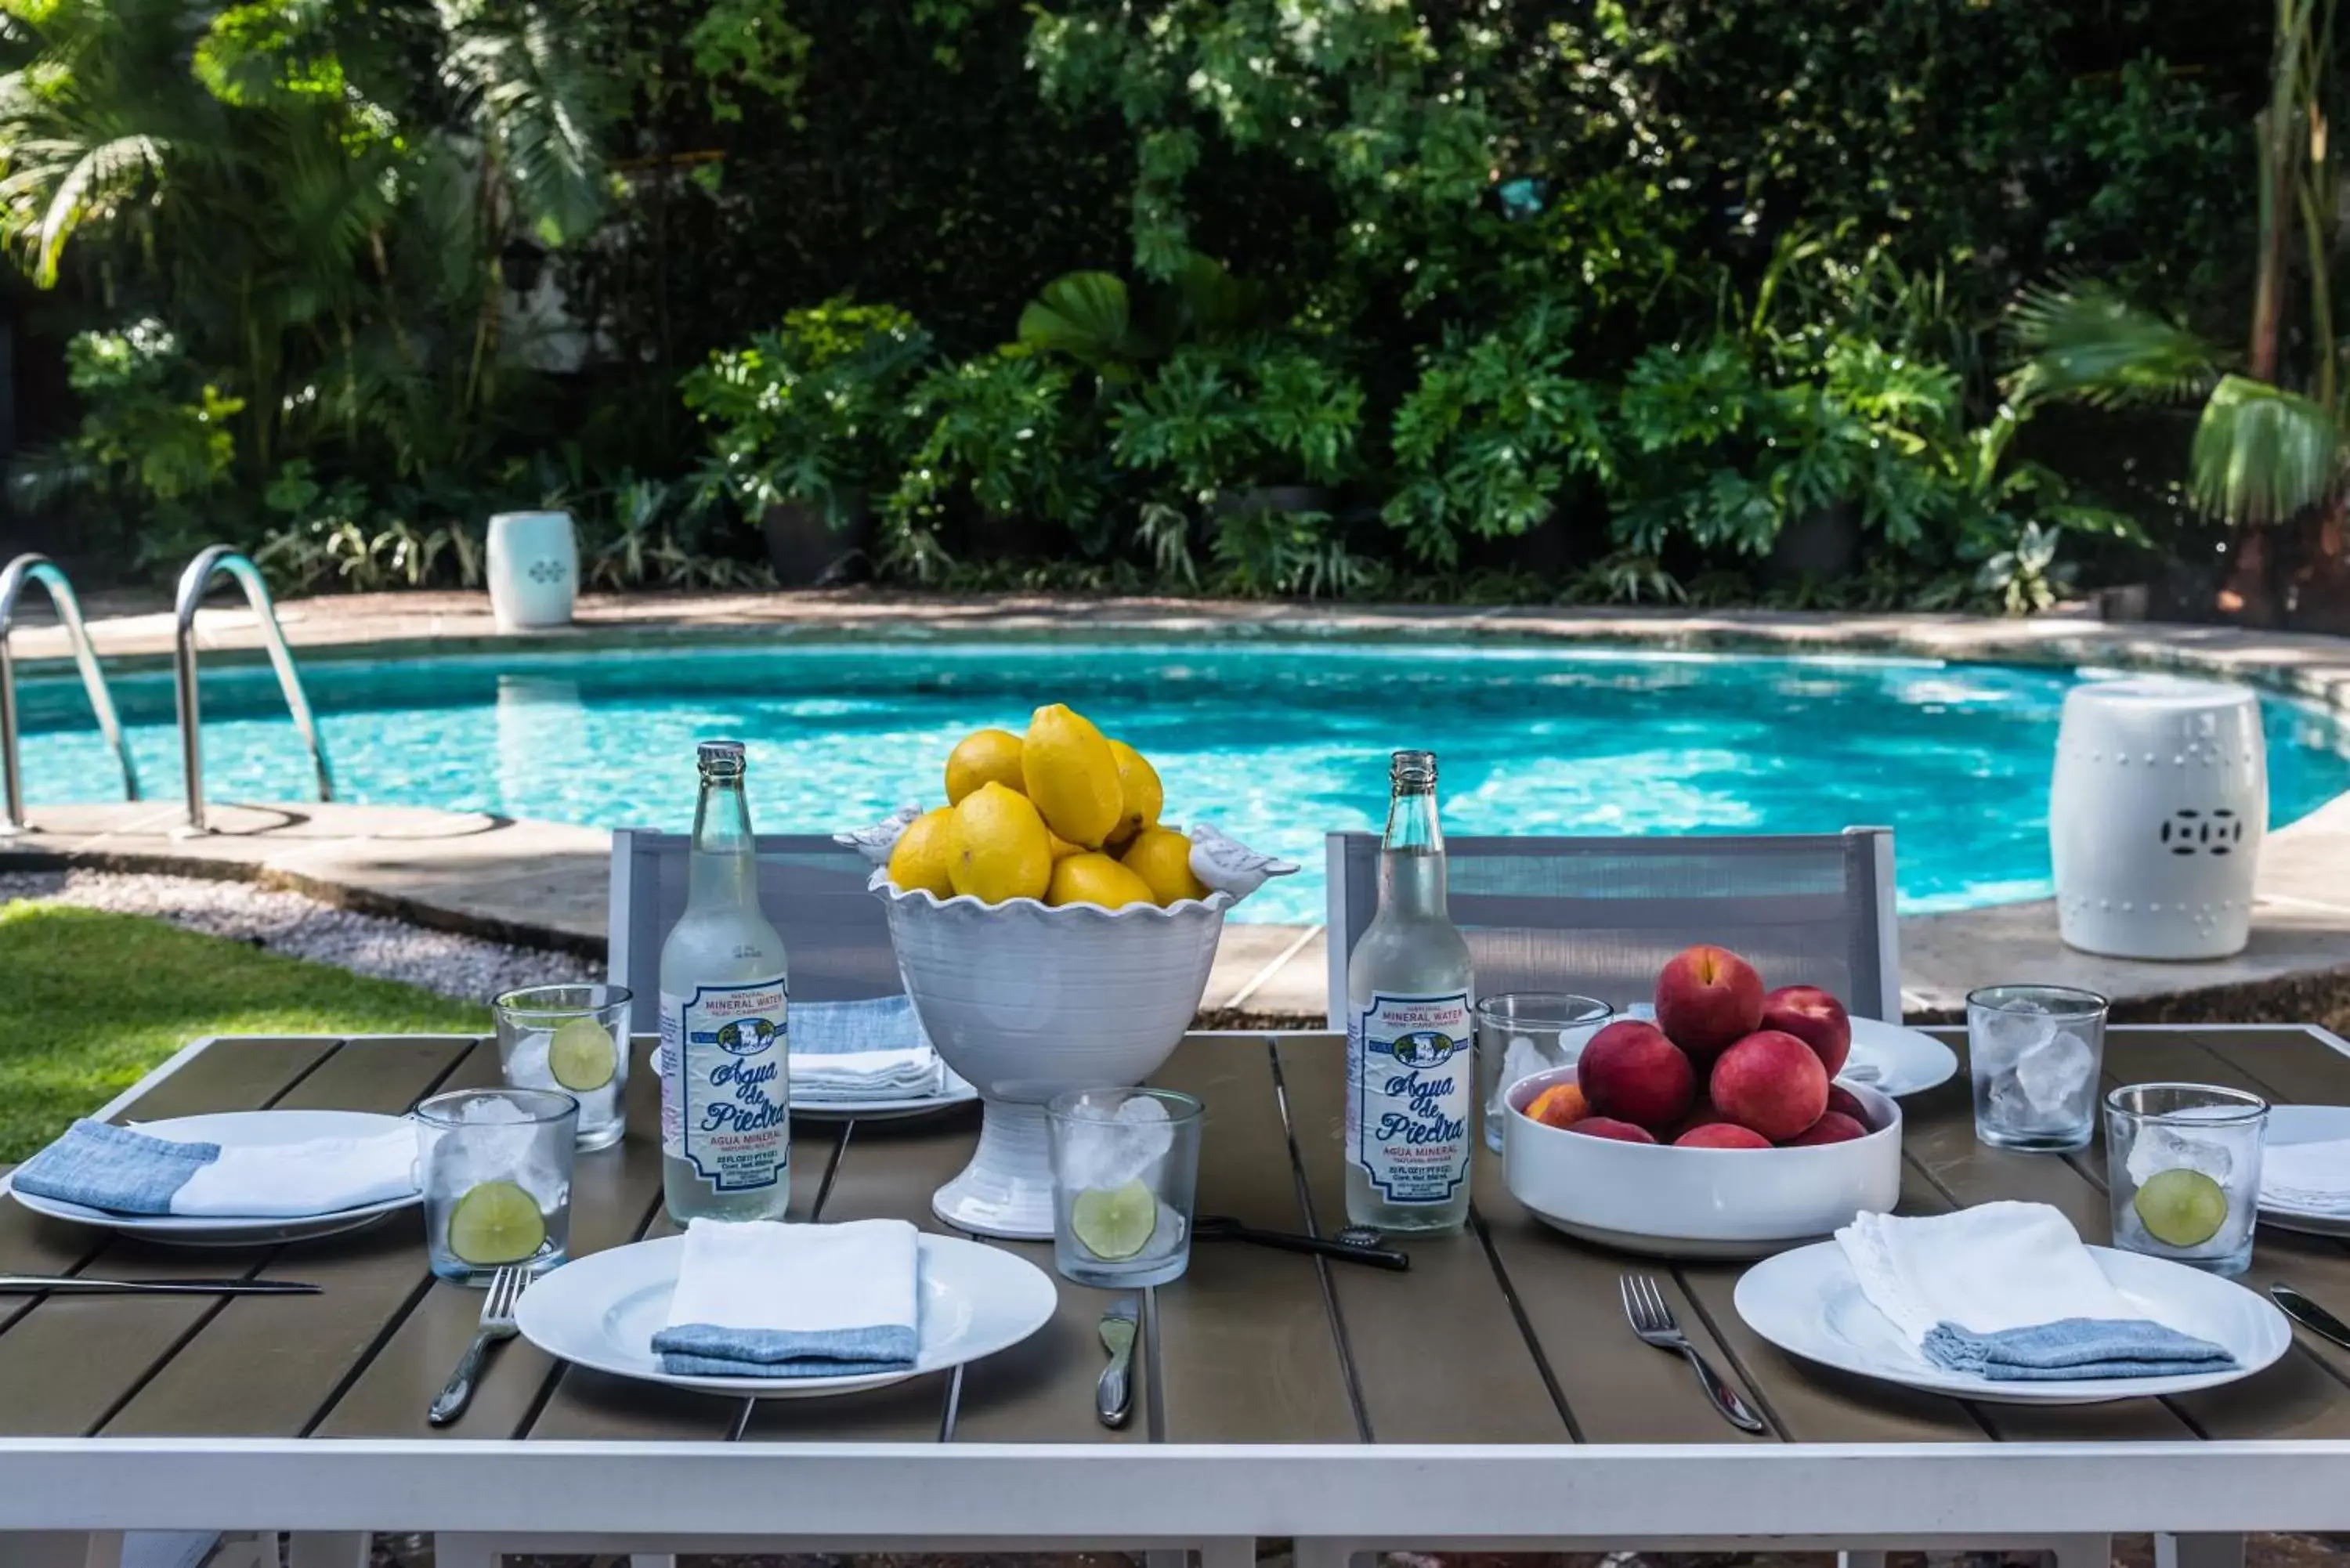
<point>1843,1099</point>
<point>1707,999</point>
<point>1721,1135</point>
<point>1631,1071</point>
<point>1813,1017</point>
<point>1608,1126</point>
<point>1833,1127</point>
<point>1772,1083</point>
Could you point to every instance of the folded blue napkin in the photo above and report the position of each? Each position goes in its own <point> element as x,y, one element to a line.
<point>766,1299</point>
<point>870,1050</point>
<point>2074,1347</point>
<point>123,1171</point>
<point>100,1166</point>
<point>2006,1292</point>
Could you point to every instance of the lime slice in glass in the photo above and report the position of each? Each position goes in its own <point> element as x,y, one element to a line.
<point>1114,1223</point>
<point>2181,1208</point>
<point>581,1056</point>
<point>496,1222</point>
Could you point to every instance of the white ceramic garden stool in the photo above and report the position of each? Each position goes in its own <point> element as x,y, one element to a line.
<point>2156,816</point>
<point>534,569</point>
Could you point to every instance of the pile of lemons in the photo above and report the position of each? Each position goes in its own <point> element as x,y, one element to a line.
<point>1061,813</point>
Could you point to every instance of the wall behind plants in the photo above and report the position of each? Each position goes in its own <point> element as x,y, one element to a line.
<point>1595,299</point>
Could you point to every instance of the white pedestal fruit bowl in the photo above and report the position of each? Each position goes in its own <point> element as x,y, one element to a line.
<point>1028,1001</point>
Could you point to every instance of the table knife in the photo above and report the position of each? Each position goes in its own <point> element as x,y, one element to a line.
<point>2309,1315</point>
<point>75,1284</point>
<point>1114,1395</point>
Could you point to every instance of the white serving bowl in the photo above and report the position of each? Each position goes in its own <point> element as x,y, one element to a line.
<point>1696,1202</point>
<point>1028,1002</point>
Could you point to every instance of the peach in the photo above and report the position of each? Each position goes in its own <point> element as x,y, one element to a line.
<point>1629,1071</point>
<point>1844,1100</point>
<point>1560,1106</point>
<point>1772,1083</point>
<point>1709,999</point>
<point>1700,1115</point>
<point>1721,1135</point>
<point>1608,1126</point>
<point>1833,1127</point>
<point>1813,1017</point>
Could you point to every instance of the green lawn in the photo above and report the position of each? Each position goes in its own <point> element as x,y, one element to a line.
<point>89,1000</point>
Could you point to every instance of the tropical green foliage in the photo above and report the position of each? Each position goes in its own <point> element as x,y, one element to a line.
<point>1253,295</point>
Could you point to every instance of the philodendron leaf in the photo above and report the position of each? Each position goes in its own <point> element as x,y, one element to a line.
<point>1087,317</point>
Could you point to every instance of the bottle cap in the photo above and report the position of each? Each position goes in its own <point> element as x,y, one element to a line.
<point>1412,771</point>
<point>719,759</point>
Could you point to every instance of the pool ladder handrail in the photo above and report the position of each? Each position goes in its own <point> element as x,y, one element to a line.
<point>34,568</point>
<point>211,563</point>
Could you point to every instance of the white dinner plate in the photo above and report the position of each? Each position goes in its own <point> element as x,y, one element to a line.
<point>2307,1124</point>
<point>602,1311</point>
<point>956,1093</point>
<point>243,1129</point>
<point>1895,1060</point>
<point>1808,1303</point>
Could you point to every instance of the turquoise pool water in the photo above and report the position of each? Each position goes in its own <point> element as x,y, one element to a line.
<point>1274,743</point>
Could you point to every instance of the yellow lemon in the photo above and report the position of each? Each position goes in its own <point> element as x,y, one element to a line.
<point>1093,878</point>
<point>1138,789</point>
<point>1061,848</point>
<point>921,856</point>
<point>1162,859</point>
<point>983,756</point>
<point>1072,775</point>
<point>1000,848</point>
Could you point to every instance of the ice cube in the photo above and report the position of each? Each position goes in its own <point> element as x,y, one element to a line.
<point>527,1067</point>
<point>2001,1035</point>
<point>1122,1150</point>
<point>2159,1147</point>
<point>2054,1073</point>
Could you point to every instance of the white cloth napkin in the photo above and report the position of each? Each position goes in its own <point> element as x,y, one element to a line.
<point>867,1074</point>
<point>2307,1178</point>
<point>2006,1290</point>
<point>856,1050</point>
<point>320,1176</point>
<point>766,1299</point>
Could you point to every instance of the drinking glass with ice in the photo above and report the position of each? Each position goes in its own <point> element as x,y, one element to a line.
<point>1125,1162</point>
<point>496,1173</point>
<point>575,1039</point>
<point>2183,1168</point>
<point>2035,1051</point>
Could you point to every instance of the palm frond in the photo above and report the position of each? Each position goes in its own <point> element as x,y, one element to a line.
<point>2263,454</point>
<point>2084,340</point>
<point>73,186</point>
<point>530,96</point>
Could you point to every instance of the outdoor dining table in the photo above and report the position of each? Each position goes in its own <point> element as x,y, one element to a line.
<point>1491,1396</point>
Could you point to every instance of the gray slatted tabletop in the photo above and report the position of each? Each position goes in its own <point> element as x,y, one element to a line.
<point>1251,1346</point>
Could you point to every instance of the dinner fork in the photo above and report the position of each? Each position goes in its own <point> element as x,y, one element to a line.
<point>497,1323</point>
<point>1653,1320</point>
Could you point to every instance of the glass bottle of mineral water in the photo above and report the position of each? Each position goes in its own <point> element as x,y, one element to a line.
<point>726,1131</point>
<point>1410,1057</point>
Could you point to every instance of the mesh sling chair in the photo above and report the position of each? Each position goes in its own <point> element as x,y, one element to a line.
<point>1599,917</point>
<point>812,889</point>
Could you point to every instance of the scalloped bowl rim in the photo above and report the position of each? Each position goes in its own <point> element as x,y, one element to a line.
<point>1549,1077</point>
<point>1215,903</point>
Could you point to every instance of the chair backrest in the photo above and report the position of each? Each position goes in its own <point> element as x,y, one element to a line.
<point>812,889</point>
<point>1599,917</point>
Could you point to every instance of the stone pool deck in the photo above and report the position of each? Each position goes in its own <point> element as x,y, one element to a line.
<point>546,884</point>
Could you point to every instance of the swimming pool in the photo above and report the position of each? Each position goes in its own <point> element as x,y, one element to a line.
<point>1276,742</point>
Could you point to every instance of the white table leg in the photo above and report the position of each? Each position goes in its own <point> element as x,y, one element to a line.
<point>2083,1550</point>
<point>2199,1552</point>
<point>327,1549</point>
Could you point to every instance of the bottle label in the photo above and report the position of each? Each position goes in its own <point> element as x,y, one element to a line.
<point>1410,1084</point>
<point>725,1082</point>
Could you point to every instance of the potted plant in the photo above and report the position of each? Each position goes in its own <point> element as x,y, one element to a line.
<point>803,423</point>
